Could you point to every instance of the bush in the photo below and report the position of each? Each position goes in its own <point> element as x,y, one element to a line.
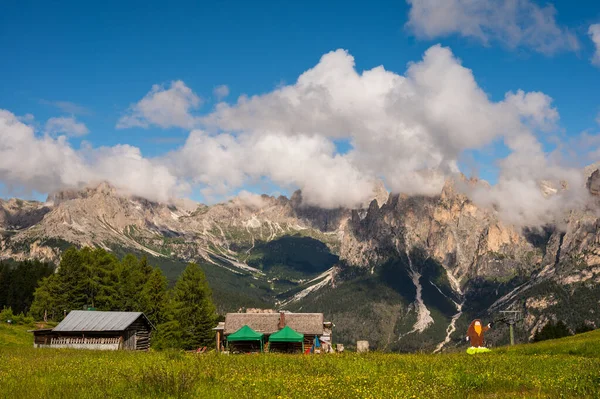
<point>551,331</point>
<point>7,316</point>
<point>583,328</point>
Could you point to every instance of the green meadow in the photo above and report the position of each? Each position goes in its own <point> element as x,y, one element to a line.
<point>563,368</point>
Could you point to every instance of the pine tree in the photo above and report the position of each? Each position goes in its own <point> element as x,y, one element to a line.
<point>153,296</point>
<point>73,279</point>
<point>131,281</point>
<point>190,314</point>
<point>18,282</point>
<point>102,284</point>
<point>85,278</point>
<point>49,297</point>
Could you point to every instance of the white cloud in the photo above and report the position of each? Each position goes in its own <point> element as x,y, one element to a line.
<point>46,164</point>
<point>164,108</point>
<point>220,92</point>
<point>535,107</point>
<point>67,126</point>
<point>67,107</point>
<point>27,118</point>
<point>594,33</point>
<point>408,129</point>
<point>225,162</point>
<point>515,23</point>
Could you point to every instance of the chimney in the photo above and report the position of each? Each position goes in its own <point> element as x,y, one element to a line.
<point>281,320</point>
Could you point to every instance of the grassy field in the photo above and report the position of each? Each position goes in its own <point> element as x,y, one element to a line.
<point>553,369</point>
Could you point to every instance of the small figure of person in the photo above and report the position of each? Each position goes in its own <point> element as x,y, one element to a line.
<point>475,333</point>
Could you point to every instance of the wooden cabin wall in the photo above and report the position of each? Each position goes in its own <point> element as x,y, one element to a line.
<point>244,346</point>
<point>309,340</point>
<point>129,340</point>
<point>285,347</point>
<point>43,339</point>
<point>137,336</point>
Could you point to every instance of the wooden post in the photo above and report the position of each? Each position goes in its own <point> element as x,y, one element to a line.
<point>218,340</point>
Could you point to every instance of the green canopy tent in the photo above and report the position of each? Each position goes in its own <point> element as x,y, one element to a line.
<point>287,334</point>
<point>246,334</point>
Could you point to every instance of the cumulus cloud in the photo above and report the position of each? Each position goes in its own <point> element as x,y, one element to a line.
<point>163,107</point>
<point>408,130</point>
<point>535,108</point>
<point>224,162</point>
<point>594,33</point>
<point>249,199</point>
<point>46,164</point>
<point>531,187</point>
<point>515,23</point>
<point>67,126</point>
<point>220,92</point>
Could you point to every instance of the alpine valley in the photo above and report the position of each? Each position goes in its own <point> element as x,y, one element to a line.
<point>406,273</point>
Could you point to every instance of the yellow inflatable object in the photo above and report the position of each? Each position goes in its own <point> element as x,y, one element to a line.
<point>472,351</point>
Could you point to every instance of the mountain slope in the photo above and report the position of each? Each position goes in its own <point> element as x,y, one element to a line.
<point>407,273</point>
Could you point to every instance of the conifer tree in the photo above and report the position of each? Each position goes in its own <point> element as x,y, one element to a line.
<point>131,281</point>
<point>153,296</point>
<point>18,281</point>
<point>190,314</point>
<point>73,279</point>
<point>552,331</point>
<point>49,298</point>
<point>102,279</point>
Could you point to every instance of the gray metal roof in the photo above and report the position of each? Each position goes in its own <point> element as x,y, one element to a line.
<point>93,320</point>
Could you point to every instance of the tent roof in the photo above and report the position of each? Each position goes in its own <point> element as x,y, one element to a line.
<point>286,334</point>
<point>245,334</point>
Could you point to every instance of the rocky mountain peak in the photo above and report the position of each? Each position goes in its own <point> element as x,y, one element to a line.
<point>103,188</point>
<point>593,183</point>
<point>380,193</point>
<point>18,214</point>
<point>444,245</point>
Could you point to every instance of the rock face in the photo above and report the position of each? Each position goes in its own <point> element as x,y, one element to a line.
<point>593,183</point>
<point>469,242</point>
<point>418,268</point>
<point>99,216</point>
<point>20,214</point>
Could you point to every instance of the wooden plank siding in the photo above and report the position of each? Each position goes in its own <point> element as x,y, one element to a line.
<point>138,335</point>
<point>135,337</point>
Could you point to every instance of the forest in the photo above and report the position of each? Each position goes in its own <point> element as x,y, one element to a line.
<point>18,281</point>
<point>95,279</point>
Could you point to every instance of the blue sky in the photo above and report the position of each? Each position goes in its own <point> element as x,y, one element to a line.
<point>103,58</point>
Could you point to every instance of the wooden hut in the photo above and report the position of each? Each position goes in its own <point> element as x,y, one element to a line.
<point>84,329</point>
<point>307,324</point>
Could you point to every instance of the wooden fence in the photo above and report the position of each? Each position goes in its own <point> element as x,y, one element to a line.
<point>84,341</point>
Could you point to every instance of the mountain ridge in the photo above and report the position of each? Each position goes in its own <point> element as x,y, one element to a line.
<point>425,264</point>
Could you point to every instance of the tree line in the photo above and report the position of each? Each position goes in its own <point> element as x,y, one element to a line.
<point>18,281</point>
<point>96,279</point>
